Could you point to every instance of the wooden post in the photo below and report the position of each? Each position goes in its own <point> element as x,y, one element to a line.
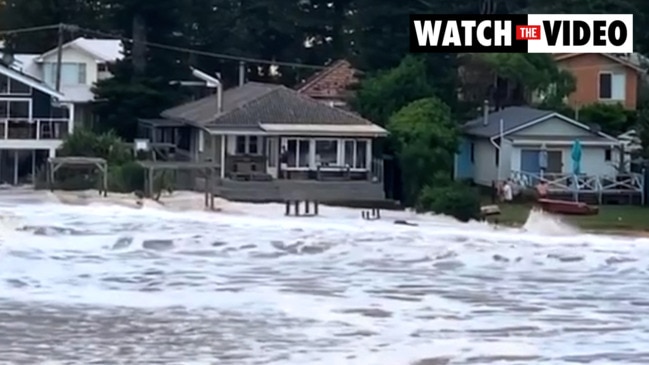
<point>212,174</point>
<point>206,187</point>
<point>34,166</point>
<point>105,179</point>
<point>315,207</point>
<point>16,167</point>
<point>306,207</point>
<point>48,172</point>
<point>150,182</point>
<point>297,208</point>
<point>288,208</point>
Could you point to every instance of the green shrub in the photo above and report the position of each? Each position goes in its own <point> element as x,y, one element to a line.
<point>126,178</point>
<point>456,200</point>
<point>108,146</point>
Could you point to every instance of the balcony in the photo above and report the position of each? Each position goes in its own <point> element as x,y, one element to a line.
<point>34,129</point>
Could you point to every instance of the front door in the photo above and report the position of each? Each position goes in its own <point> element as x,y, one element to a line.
<point>530,161</point>
<point>272,155</point>
<point>555,162</point>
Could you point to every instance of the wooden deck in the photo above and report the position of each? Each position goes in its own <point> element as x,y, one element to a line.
<point>361,193</point>
<point>618,189</point>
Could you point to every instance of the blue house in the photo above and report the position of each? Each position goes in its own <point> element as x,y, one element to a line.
<point>33,123</point>
<point>483,157</point>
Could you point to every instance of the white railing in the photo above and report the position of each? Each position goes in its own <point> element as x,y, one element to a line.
<point>35,128</point>
<point>578,184</point>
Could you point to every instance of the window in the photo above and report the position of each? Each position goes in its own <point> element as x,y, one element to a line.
<point>247,145</point>
<point>361,155</point>
<point>102,67</point>
<point>14,109</point>
<point>607,154</point>
<point>10,86</point>
<point>253,145</point>
<point>71,73</point>
<point>4,84</point>
<point>497,156</point>
<point>356,153</point>
<point>19,109</point>
<point>17,87</point>
<point>612,86</point>
<point>271,151</point>
<point>326,152</point>
<point>241,145</point>
<point>299,151</point>
<point>605,86</point>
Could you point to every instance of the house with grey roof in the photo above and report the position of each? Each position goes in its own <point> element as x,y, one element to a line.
<point>247,129</point>
<point>508,144</point>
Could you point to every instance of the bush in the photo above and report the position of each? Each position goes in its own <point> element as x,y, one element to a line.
<point>456,200</point>
<point>126,178</point>
<point>108,146</point>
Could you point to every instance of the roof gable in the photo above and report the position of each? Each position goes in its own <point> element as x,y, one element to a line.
<point>332,82</point>
<point>518,118</point>
<point>565,56</point>
<point>105,50</point>
<point>30,81</point>
<point>512,117</point>
<point>254,103</point>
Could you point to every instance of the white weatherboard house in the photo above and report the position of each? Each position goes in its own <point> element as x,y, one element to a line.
<point>84,62</point>
<point>525,132</point>
<point>33,123</point>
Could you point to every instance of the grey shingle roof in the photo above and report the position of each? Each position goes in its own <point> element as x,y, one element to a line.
<point>254,103</point>
<point>512,117</point>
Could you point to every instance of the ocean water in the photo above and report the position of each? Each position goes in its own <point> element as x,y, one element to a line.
<point>112,285</point>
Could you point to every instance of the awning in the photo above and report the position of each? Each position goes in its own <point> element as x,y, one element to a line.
<point>335,130</point>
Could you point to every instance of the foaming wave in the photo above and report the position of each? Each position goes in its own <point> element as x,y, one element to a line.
<point>540,222</point>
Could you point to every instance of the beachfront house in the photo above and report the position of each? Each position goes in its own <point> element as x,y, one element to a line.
<point>84,62</point>
<point>602,78</point>
<point>33,123</point>
<point>333,85</point>
<point>330,152</point>
<point>508,144</point>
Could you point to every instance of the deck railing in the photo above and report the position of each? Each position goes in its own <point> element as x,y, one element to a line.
<point>582,183</point>
<point>35,128</point>
<point>378,165</point>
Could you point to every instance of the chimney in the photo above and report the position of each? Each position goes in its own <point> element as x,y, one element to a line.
<point>485,112</point>
<point>212,82</point>
<point>219,94</point>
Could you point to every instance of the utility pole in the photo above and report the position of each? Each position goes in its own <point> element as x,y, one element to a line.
<point>59,58</point>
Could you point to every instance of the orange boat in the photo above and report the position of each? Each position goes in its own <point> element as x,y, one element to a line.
<point>567,207</point>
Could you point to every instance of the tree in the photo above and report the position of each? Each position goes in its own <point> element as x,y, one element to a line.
<point>613,119</point>
<point>426,140</point>
<point>141,82</point>
<point>516,79</point>
<point>380,96</point>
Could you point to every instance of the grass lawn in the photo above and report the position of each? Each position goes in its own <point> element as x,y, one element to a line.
<point>610,217</point>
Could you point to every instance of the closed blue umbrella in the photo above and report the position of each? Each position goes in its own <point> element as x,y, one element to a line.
<point>576,157</point>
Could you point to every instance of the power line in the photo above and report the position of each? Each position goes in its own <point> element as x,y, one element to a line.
<point>201,53</point>
<point>30,29</point>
